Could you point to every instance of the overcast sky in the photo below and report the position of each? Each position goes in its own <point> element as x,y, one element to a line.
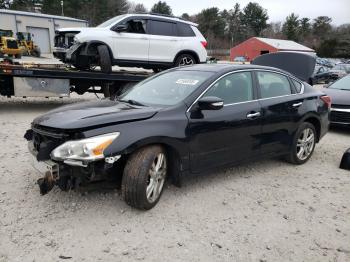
<point>338,10</point>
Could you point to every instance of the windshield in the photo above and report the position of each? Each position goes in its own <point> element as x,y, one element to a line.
<point>343,83</point>
<point>166,89</point>
<point>111,21</point>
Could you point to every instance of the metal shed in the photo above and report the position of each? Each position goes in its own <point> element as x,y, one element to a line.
<point>42,26</point>
<point>256,46</point>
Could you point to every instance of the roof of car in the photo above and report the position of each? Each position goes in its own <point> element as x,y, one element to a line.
<point>221,68</point>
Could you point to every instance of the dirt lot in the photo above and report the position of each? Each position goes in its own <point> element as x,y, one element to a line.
<point>266,211</point>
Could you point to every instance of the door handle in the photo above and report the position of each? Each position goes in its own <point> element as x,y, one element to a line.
<point>297,104</point>
<point>253,114</point>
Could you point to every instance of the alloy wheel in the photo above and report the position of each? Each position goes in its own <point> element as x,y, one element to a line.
<point>185,61</point>
<point>156,178</point>
<point>305,144</point>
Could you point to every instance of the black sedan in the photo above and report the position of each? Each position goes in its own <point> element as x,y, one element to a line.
<point>339,92</point>
<point>184,120</point>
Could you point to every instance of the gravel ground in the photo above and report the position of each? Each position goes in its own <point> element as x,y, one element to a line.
<point>264,211</point>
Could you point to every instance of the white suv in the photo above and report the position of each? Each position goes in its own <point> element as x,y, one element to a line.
<point>139,40</point>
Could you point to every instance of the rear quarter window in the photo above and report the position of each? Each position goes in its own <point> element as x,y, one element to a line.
<point>163,28</point>
<point>184,30</point>
<point>297,85</point>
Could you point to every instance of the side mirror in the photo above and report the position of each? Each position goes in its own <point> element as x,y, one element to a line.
<point>121,28</point>
<point>210,103</point>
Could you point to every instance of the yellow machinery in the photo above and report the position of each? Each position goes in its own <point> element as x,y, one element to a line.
<point>26,43</point>
<point>9,45</point>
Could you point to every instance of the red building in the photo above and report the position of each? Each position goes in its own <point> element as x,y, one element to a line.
<point>256,46</point>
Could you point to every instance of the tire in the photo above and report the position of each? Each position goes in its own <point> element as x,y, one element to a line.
<point>104,59</point>
<point>302,139</point>
<point>106,90</point>
<point>18,56</point>
<point>185,60</point>
<point>36,52</point>
<point>137,178</point>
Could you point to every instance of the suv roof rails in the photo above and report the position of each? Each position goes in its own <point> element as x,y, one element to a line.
<point>159,14</point>
<point>168,16</point>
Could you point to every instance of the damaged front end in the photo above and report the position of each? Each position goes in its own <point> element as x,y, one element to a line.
<point>68,163</point>
<point>63,41</point>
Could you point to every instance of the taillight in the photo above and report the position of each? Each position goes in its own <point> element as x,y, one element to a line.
<point>204,44</point>
<point>327,100</point>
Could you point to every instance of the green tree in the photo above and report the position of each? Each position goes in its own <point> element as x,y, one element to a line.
<point>212,25</point>
<point>290,27</point>
<point>254,18</point>
<point>185,16</point>
<point>22,5</point>
<point>161,8</point>
<point>140,8</point>
<point>322,26</point>
<point>233,27</point>
<point>52,7</point>
<point>305,27</point>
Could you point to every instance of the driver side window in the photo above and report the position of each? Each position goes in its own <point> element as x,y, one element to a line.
<point>136,26</point>
<point>233,88</point>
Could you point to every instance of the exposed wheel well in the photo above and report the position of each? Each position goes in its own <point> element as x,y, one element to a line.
<point>91,48</point>
<point>316,123</point>
<point>194,54</point>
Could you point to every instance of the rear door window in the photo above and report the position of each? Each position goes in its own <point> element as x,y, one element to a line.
<point>273,84</point>
<point>184,30</point>
<point>162,28</point>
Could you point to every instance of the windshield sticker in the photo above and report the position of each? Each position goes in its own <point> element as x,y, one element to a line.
<point>190,82</point>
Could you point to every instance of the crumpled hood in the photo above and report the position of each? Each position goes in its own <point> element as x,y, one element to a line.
<point>89,115</point>
<point>339,97</point>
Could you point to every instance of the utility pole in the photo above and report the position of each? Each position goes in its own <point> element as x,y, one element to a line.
<point>62,13</point>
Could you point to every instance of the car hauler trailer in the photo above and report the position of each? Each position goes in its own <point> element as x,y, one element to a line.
<point>21,81</point>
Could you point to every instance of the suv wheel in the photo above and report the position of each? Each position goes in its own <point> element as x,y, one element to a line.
<point>303,144</point>
<point>144,177</point>
<point>104,59</point>
<point>185,60</point>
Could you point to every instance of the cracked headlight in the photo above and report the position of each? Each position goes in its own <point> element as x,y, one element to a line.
<point>89,149</point>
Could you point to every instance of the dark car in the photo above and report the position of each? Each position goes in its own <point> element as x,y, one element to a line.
<point>184,120</point>
<point>339,92</point>
<point>322,75</point>
<point>340,70</point>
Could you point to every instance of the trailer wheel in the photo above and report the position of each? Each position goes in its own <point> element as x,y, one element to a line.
<point>104,59</point>
<point>106,90</point>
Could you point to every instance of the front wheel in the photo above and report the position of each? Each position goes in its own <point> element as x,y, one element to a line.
<point>104,59</point>
<point>144,177</point>
<point>303,144</point>
<point>185,60</point>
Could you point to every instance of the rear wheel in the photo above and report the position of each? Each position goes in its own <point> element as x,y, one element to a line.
<point>303,144</point>
<point>185,60</point>
<point>144,177</point>
<point>104,59</point>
